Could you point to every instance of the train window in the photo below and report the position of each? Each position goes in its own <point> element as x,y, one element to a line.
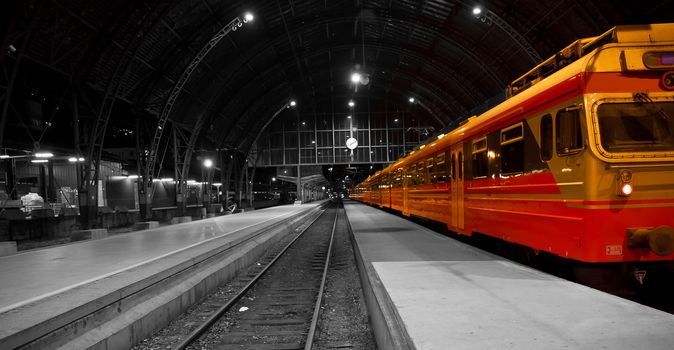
<point>479,158</point>
<point>453,165</point>
<point>440,168</point>
<point>512,149</point>
<point>568,133</point>
<point>460,165</point>
<point>421,173</point>
<point>430,171</point>
<point>546,137</point>
<point>411,176</point>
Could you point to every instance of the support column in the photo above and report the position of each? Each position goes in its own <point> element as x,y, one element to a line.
<point>299,184</point>
<point>10,179</point>
<point>178,176</point>
<point>51,183</point>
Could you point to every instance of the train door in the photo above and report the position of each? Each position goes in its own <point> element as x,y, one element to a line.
<point>457,186</point>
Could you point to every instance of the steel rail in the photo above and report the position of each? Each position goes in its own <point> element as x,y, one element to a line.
<point>319,300</point>
<point>213,318</point>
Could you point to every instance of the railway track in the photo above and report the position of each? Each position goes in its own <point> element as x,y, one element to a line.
<point>277,303</point>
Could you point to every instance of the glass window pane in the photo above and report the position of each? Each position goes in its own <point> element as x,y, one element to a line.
<point>569,135</point>
<point>637,127</point>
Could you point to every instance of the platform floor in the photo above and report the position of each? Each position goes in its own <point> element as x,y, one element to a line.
<point>450,295</point>
<point>38,274</point>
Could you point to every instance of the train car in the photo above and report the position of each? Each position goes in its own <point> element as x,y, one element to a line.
<point>577,162</point>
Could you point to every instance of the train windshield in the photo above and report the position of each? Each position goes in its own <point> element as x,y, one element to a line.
<point>637,126</point>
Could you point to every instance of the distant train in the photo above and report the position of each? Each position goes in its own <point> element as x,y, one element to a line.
<point>577,162</point>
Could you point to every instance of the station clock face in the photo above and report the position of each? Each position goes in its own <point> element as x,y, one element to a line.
<point>351,143</point>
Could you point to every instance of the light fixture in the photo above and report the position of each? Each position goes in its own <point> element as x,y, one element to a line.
<point>355,78</point>
<point>273,179</point>
<point>208,163</point>
<point>395,120</point>
<point>348,117</point>
<point>166,179</point>
<point>293,103</point>
<point>80,159</point>
<point>625,183</point>
<point>4,156</point>
<point>217,184</point>
<point>477,10</point>
<point>44,155</point>
<point>351,103</point>
<point>72,159</point>
<point>39,161</point>
<point>133,176</point>
<point>323,188</point>
<point>411,100</point>
<point>248,17</point>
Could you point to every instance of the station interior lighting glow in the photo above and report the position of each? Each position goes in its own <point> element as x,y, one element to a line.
<point>44,155</point>
<point>208,163</point>
<point>4,156</point>
<point>39,161</point>
<point>351,103</point>
<point>248,17</point>
<point>355,78</point>
<point>293,103</point>
<point>411,99</point>
<point>477,10</point>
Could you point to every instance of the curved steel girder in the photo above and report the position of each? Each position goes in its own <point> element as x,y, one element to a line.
<point>177,89</point>
<point>167,61</point>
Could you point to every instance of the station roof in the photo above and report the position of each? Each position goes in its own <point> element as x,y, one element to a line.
<point>134,53</point>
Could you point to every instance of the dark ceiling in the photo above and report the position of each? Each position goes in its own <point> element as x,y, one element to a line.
<point>125,56</point>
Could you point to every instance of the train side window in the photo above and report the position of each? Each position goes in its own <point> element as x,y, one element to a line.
<point>568,133</point>
<point>441,168</point>
<point>479,158</point>
<point>412,175</point>
<point>546,137</point>
<point>453,165</point>
<point>430,171</point>
<point>421,173</point>
<point>460,165</point>
<point>512,149</point>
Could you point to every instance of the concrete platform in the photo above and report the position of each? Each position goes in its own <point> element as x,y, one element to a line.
<point>428,291</point>
<point>83,290</point>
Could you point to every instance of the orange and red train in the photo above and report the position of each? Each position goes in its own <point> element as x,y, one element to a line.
<point>577,162</point>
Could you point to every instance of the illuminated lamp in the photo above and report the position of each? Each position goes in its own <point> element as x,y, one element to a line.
<point>625,185</point>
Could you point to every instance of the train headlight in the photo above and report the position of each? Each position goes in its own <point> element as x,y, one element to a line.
<point>625,185</point>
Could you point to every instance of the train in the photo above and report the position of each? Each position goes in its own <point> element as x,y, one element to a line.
<point>578,161</point>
